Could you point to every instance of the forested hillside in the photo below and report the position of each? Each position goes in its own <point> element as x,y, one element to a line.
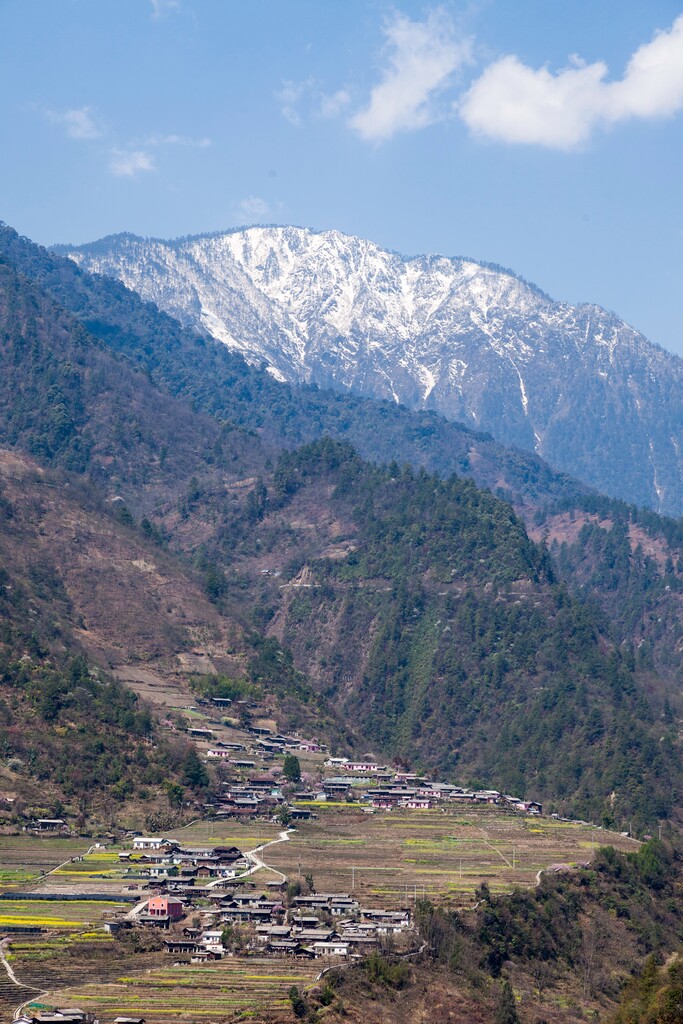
<point>421,607</point>
<point>628,563</point>
<point>416,604</point>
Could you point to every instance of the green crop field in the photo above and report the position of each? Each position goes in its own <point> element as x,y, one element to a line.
<point>56,914</point>
<point>195,992</point>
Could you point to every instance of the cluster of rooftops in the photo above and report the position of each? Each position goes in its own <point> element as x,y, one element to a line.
<point>37,1014</point>
<point>256,793</point>
<point>408,789</point>
<point>155,857</point>
<point>314,925</point>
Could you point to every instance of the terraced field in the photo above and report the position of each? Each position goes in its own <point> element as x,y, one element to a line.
<point>390,857</point>
<point>25,858</point>
<point>386,858</point>
<point>196,992</point>
<point>49,963</point>
<point>244,835</point>
<point>56,914</point>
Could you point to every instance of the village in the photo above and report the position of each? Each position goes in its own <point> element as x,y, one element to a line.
<point>201,901</point>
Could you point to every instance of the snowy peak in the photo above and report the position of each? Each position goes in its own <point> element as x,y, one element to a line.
<point>472,340</point>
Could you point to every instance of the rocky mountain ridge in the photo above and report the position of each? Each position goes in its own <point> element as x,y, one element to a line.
<point>473,341</point>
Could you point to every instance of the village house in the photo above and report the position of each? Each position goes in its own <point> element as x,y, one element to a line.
<point>212,939</point>
<point>337,788</point>
<point>387,922</point>
<point>153,843</point>
<point>342,905</point>
<point>355,766</point>
<point>59,1015</point>
<point>272,932</point>
<point>318,934</point>
<point>50,824</point>
<point>303,920</point>
<point>335,947</point>
<point>165,908</point>
<point>285,947</point>
<point>201,956</point>
<point>175,946</point>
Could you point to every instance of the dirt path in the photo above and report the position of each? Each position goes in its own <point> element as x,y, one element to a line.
<point>47,874</point>
<point>37,993</point>
<point>502,856</point>
<point>258,863</point>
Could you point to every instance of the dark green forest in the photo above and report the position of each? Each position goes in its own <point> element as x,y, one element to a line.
<point>468,654</point>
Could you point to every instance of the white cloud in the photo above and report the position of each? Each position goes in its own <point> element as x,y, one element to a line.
<point>251,209</point>
<point>300,100</point>
<point>512,102</point>
<point>160,7</point>
<point>289,97</point>
<point>79,123</point>
<point>422,59</point>
<point>128,163</point>
<point>332,105</point>
<point>179,140</point>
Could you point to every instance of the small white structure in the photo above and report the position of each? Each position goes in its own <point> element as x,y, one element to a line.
<point>151,843</point>
<point>335,947</point>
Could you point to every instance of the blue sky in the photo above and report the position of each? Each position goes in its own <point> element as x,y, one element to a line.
<point>544,136</point>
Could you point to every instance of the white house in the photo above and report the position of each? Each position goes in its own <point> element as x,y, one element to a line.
<point>152,843</point>
<point>335,947</point>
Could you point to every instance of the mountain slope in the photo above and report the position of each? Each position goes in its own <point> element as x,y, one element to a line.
<point>422,611</point>
<point>219,382</point>
<point>640,606</point>
<point>425,612</point>
<point>573,383</point>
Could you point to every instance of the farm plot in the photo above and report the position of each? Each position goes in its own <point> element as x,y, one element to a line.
<point>56,914</point>
<point>59,960</point>
<point>195,992</point>
<point>24,859</point>
<point>244,835</point>
<point>389,858</point>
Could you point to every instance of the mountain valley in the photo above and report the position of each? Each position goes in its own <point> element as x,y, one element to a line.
<point>177,524</point>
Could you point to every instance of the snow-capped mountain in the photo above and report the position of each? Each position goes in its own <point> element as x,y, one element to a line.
<point>574,383</point>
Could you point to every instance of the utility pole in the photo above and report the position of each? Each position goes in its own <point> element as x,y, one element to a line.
<point>353,879</point>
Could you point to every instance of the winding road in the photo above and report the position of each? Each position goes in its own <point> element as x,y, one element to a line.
<point>257,862</point>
